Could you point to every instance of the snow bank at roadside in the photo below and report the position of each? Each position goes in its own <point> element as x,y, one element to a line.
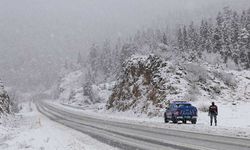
<point>32,131</point>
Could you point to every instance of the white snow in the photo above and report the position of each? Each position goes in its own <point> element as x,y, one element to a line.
<point>32,131</point>
<point>70,86</point>
<point>232,98</point>
<point>232,120</point>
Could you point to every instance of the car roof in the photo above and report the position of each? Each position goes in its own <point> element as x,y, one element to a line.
<point>180,102</point>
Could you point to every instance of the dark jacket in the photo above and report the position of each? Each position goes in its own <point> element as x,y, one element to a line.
<point>213,110</point>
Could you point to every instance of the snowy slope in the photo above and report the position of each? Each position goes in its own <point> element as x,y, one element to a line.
<point>72,90</point>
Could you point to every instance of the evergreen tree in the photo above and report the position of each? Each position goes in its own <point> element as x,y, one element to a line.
<point>185,38</point>
<point>206,36</point>
<point>94,59</point>
<point>217,40</point>
<point>79,59</point>
<point>192,37</point>
<point>243,19</point>
<point>219,20</point>
<point>4,100</point>
<point>202,36</point>
<point>244,50</point>
<point>210,31</point>
<point>180,39</point>
<point>235,25</point>
<point>226,33</point>
<point>126,51</point>
<point>106,58</point>
<point>164,39</point>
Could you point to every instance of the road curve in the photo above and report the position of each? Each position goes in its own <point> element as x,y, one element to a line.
<point>130,136</point>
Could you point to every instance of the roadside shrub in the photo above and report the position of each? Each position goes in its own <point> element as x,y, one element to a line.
<point>196,73</point>
<point>190,97</point>
<point>227,78</point>
<point>216,89</point>
<point>203,107</point>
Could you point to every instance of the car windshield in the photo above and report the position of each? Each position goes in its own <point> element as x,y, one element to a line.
<point>181,105</point>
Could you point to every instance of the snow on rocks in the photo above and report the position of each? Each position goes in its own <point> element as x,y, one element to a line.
<point>141,85</point>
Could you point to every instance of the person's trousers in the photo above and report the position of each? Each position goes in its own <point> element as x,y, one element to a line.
<point>213,117</point>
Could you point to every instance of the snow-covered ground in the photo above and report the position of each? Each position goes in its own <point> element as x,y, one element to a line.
<point>232,120</point>
<point>32,131</point>
<point>233,104</point>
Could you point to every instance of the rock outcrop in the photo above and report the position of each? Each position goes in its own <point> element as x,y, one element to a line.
<point>141,85</point>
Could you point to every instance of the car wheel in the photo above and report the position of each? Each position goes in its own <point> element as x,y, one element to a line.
<point>194,121</point>
<point>166,120</point>
<point>174,119</point>
<point>184,121</point>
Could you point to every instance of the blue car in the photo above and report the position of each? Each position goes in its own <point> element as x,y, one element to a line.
<point>180,111</point>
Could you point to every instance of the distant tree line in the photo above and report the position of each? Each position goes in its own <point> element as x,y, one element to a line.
<point>226,36</point>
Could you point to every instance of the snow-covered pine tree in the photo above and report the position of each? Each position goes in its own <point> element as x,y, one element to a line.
<point>235,25</point>
<point>209,41</point>
<point>192,39</point>
<point>4,100</point>
<point>127,50</point>
<point>202,37</point>
<point>217,40</point>
<point>226,33</point>
<point>244,49</point>
<point>106,58</point>
<point>164,39</point>
<point>243,19</point>
<point>94,59</point>
<point>180,39</point>
<point>185,39</point>
<point>79,59</point>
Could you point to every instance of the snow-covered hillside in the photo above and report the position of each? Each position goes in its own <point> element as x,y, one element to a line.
<point>73,90</point>
<point>4,100</point>
<point>147,81</point>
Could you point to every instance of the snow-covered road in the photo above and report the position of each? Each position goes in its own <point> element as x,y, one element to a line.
<point>30,130</point>
<point>132,136</point>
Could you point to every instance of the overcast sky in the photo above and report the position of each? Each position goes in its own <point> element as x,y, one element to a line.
<point>57,29</point>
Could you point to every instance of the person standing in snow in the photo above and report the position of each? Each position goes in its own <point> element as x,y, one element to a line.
<point>213,112</point>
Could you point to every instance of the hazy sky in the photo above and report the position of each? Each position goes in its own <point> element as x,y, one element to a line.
<point>35,34</point>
